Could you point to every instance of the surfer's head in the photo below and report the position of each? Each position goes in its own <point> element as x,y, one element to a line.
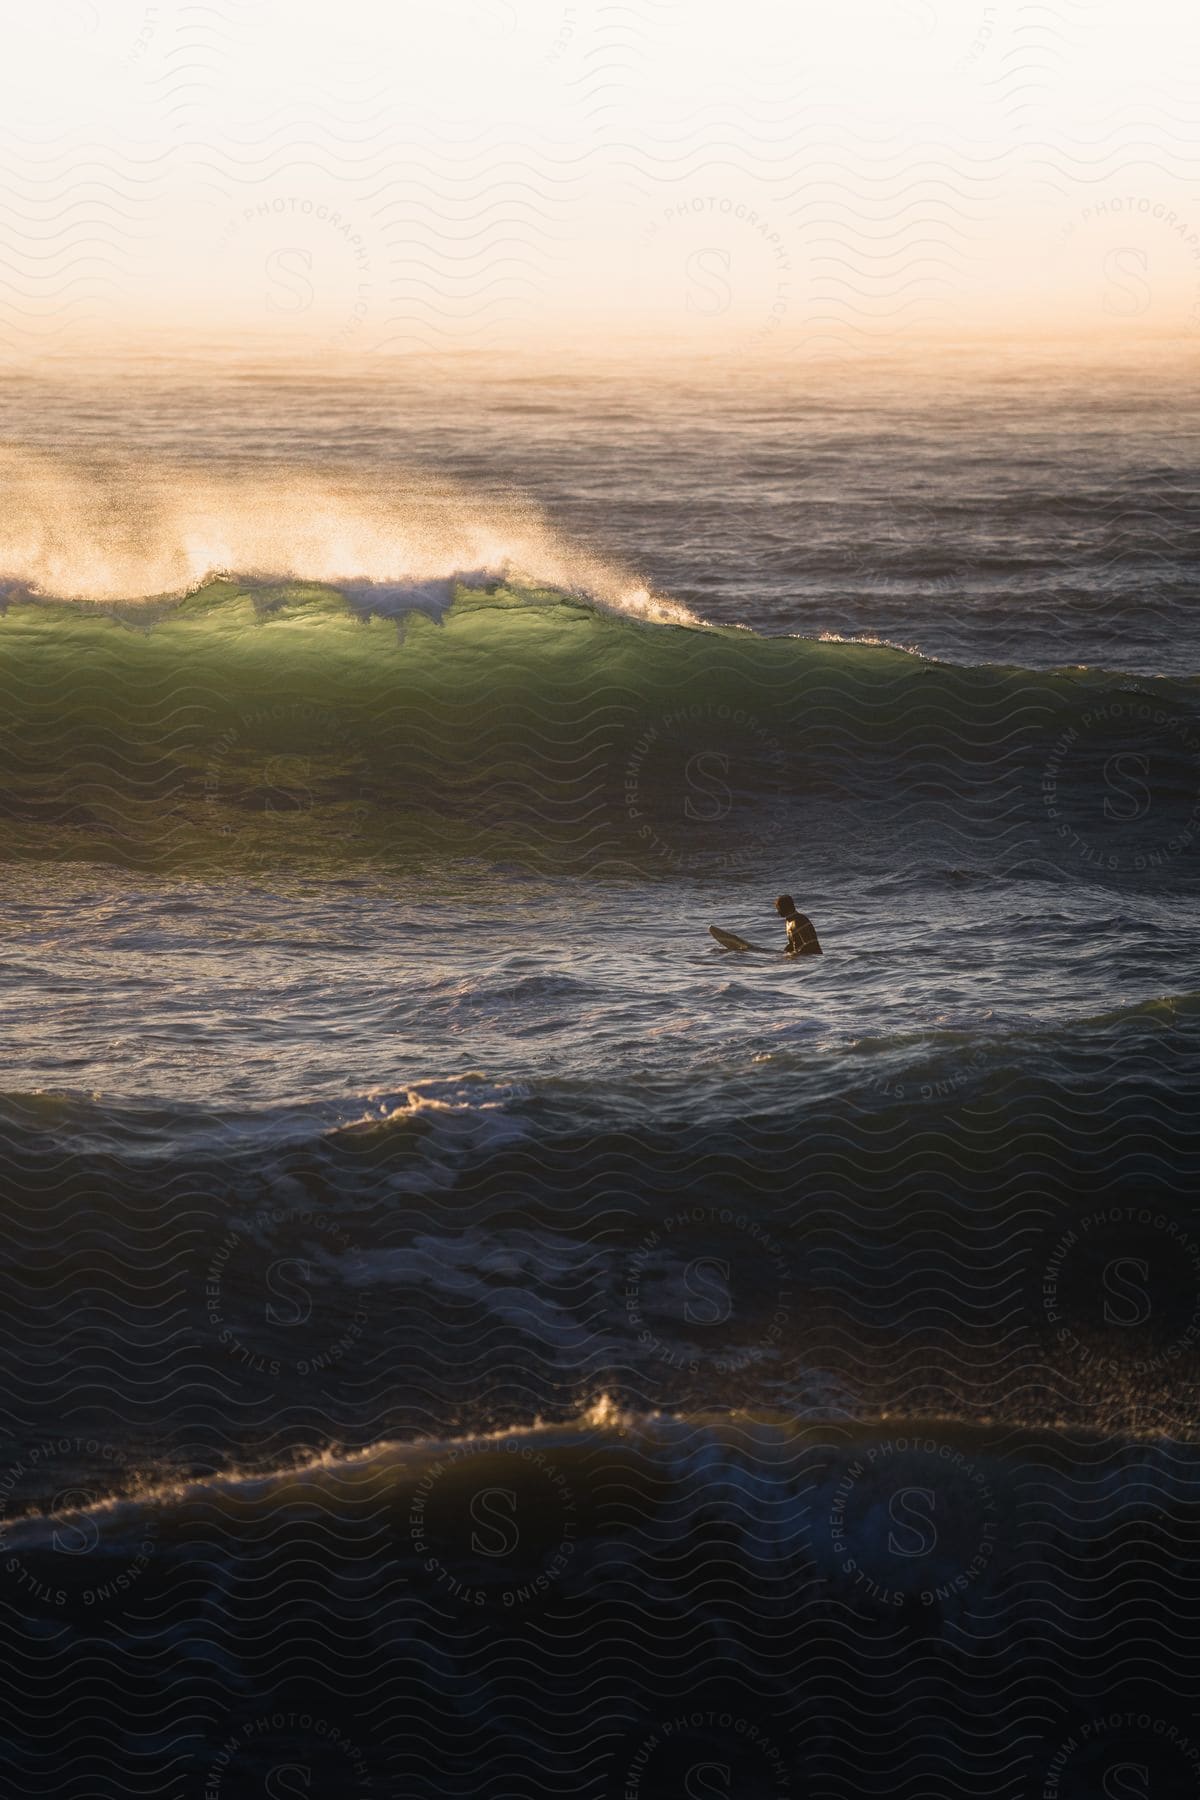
<point>785,906</point>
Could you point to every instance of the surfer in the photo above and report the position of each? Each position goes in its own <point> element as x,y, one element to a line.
<point>802,939</point>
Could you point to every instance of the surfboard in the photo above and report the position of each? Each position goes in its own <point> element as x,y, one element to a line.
<point>729,940</point>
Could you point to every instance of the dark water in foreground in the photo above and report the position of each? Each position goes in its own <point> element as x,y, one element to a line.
<point>465,1333</point>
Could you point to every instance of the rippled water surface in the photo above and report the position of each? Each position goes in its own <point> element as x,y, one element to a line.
<point>386,1134</point>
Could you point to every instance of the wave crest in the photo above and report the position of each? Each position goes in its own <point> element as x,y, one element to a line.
<point>117,529</point>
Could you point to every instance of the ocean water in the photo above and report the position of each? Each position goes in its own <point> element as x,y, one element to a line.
<point>438,1280</point>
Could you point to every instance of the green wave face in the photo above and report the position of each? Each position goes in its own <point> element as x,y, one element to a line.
<point>249,726</point>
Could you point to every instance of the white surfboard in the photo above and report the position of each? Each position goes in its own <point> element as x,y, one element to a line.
<point>729,940</point>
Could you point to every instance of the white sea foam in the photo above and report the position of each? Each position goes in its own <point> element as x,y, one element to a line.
<point>115,530</point>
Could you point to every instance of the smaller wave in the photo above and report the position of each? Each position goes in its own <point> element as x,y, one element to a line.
<point>450,1121</point>
<point>436,1127</point>
<point>747,1446</point>
<point>441,1121</point>
<point>35,1526</point>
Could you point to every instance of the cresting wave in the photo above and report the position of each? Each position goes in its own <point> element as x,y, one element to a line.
<point>112,530</point>
<point>827,1470</point>
<point>32,1525</point>
<point>504,718</point>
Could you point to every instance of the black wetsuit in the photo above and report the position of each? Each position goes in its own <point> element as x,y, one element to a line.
<point>802,939</point>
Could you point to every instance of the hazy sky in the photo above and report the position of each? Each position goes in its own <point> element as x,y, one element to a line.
<point>768,178</point>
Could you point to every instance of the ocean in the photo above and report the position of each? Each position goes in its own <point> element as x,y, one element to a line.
<point>466,1333</point>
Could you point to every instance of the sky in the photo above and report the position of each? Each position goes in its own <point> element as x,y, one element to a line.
<point>760,181</point>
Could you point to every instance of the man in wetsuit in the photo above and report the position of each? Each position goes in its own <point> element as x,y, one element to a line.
<point>802,939</point>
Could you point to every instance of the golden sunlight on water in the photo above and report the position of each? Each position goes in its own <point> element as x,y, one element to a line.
<point>116,529</point>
